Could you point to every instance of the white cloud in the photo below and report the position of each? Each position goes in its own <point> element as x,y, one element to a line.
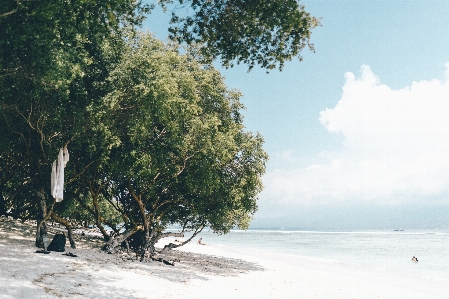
<point>396,146</point>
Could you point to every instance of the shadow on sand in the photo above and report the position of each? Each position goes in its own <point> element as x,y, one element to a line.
<point>94,274</point>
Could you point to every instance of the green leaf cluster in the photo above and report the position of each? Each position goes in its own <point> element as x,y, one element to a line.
<point>263,32</point>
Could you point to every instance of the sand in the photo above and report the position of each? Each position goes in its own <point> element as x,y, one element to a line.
<point>202,272</point>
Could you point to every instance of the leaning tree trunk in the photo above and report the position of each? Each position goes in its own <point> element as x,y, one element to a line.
<point>116,241</point>
<point>100,226</point>
<point>171,246</point>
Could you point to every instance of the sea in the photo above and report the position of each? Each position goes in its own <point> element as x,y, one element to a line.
<point>384,249</point>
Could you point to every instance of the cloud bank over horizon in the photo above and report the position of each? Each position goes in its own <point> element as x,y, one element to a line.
<point>395,148</point>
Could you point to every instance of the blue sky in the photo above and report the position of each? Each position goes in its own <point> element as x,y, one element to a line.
<point>358,132</point>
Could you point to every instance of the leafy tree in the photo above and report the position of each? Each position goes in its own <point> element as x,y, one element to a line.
<point>55,57</point>
<point>53,67</point>
<point>34,130</point>
<point>183,157</point>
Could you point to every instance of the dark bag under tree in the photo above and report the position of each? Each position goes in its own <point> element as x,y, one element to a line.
<point>58,243</point>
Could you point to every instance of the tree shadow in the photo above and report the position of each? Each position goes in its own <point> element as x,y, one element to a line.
<point>95,274</point>
<point>200,266</point>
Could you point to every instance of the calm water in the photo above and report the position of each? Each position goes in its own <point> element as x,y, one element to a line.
<point>380,249</point>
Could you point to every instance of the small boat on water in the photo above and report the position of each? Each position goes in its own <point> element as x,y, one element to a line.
<point>399,230</point>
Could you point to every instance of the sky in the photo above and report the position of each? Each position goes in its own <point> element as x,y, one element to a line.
<point>358,132</point>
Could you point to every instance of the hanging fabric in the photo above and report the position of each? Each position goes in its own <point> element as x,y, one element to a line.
<point>57,174</point>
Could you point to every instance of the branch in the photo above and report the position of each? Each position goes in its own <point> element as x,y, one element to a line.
<point>10,72</point>
<point>159,135</point>
<point>183,166</point>
<point>8,13</point>
<point>15,132</point>
<point>116,207</point>
<point>166,202</point>
<point>172,245</point>
<point>80,173</point>
<point>116,241</point>
<point>138,200</point>
<point>98,218</point>
<point>145,188</point>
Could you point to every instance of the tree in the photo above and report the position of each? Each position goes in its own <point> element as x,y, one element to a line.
<point>54,59</point>
<point>60,54</point>
<point>183,156</point>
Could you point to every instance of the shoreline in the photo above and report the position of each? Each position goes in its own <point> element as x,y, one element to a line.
<point>203,272</point>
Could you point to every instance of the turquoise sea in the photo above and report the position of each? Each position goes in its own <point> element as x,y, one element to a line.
<point>388,250</point>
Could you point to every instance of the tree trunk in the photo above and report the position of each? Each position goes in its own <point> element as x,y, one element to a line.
<point>147,233</point>
<point>170,246</point>
<point>2,205</point>
<point>42,216</point>
<point>41,234</point>
<point>147,239</point>
<point>106,236</point>
<point>116,241</point>
<point>41,229</point>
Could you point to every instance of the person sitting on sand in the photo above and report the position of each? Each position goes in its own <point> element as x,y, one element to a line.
<point>414,259</point>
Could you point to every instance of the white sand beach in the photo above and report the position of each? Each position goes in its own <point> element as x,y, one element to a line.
<point>202,272</point>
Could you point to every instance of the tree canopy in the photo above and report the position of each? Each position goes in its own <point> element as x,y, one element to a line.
<point>263,32</point>
<point>180,154</point>
<point>156,138</point>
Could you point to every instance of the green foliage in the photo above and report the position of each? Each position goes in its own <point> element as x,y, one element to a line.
<point>36,35</point>
<point>155,137</point>
<point>183,153</point>
<point>54,58</point>
<point>264,32</point>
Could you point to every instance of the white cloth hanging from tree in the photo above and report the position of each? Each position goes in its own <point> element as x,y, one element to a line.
<point>57,174</point>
